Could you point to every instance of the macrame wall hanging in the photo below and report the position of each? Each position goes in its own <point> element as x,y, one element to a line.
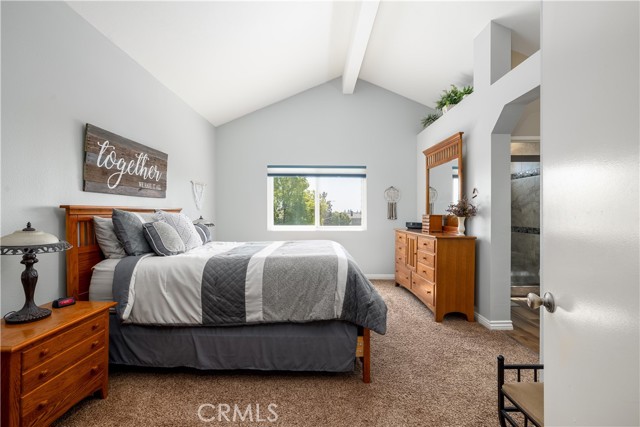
<point>392,195</point>
<point>198,192</point>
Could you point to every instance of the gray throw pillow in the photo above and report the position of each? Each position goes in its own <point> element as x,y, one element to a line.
<point>183,225</point>
<point>204,232</point>
<point>128,228</point>
<point>163,238</point>
<point>107,239</point>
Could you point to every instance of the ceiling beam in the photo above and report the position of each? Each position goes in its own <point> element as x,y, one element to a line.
<point>359,41</point>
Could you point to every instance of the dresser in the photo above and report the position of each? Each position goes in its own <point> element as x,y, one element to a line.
<point>439,269</point>
<point>51,364</point>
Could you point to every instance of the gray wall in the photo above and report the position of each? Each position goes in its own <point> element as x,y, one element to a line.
<point>321,126</point>
<point>59,73</point>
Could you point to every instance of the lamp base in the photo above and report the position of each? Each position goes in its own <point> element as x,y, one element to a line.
<point>29,313</point>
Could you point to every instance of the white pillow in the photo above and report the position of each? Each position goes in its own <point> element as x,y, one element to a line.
<point>107,239</point>
<point>184,226</point>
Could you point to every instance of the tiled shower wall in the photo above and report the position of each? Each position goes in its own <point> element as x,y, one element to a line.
<point>525,223</point>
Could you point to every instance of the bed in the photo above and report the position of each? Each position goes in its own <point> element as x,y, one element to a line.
<point>324,345</point>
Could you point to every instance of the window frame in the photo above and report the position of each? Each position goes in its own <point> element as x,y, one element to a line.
<point>317,227</point>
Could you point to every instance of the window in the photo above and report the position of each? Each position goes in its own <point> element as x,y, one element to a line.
<point>316,197</point>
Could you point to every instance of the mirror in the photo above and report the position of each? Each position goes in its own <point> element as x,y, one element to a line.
<point>444,174</point>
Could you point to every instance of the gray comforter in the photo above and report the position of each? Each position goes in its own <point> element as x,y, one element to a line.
<point>238,284</point>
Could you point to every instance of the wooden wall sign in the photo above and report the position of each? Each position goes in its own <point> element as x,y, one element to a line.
<point>117,165</point>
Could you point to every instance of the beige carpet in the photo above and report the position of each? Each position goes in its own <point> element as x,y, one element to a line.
<point>423,374</point>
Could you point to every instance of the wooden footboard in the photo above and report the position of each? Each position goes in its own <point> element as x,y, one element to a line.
<point>363,352</point>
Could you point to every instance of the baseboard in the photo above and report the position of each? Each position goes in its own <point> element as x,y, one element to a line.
<point>494,325</point>
<point>380,276</point>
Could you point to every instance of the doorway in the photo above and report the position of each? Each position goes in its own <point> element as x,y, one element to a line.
<point>525,227</point>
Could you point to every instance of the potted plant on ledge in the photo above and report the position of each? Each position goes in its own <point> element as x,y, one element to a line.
<point>452,96</point>
<point>463,209</point>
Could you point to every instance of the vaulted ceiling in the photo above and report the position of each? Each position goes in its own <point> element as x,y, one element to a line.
<point>228,59</point>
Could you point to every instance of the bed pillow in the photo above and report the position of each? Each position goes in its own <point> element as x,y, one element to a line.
<point>107,239</point>
<point>183,225</point>
<point>203,232</point>
<point>163,238</point>
<point>128,228</point>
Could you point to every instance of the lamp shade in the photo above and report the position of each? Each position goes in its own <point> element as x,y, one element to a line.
<point>204,222</point>
<point>30,240</point>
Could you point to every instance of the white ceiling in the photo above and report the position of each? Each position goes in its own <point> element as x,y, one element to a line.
<point>228,59</point>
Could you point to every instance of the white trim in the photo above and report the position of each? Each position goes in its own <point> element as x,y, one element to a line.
<point>494,325</point>
<point>379,276</point>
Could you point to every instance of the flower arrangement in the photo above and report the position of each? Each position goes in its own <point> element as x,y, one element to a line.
<point>464,208</point>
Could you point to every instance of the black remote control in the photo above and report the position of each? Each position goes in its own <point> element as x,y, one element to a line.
<point>63,302</point>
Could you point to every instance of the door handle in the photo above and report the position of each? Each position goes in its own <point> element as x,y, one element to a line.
<point>534,301</point>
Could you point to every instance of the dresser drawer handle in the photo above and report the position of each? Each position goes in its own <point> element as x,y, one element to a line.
<point>96,326</point>
<point>44,352</point>
<point>95,344</point>
<point>43,373</point>
<point>94,370</point>
<point>42,404</point>
<point>428,292</point>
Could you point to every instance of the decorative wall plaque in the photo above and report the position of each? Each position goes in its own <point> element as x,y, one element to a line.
<point>117,165</point>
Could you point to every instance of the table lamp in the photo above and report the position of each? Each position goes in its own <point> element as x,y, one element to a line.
<point>28,242</point>
<point>204,222</point>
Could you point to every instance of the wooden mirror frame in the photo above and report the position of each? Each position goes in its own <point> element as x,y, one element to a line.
<point>441,153</point>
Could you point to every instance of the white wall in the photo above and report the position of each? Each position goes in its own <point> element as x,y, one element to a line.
<point>487,118</point>
<point>321,126</point>
<point>59,73</point>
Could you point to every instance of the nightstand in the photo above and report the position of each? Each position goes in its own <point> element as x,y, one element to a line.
<point>51,364</point>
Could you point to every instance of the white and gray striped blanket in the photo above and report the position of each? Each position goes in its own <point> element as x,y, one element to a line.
<point>223,284</point>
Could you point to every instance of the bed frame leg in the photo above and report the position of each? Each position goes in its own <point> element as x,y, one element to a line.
<point>366,359</point>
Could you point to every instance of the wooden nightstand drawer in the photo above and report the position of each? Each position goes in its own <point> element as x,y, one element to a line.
<point>52,364</point>
<point>401,237</point>
<point>426,244</point>
<point>43,373</point>
<point>423,289</point>
<point>54,346</point>
<point>427,259</point>
<point>46,403</point>
<point>426,272</point>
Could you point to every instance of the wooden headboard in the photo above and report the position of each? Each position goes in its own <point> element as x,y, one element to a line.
<point>85,252</point>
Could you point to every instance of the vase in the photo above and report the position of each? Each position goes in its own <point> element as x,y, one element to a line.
<point>461,225</point>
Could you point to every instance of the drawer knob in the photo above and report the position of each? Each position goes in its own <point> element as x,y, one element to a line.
<point>42,404</point>
<point>94,327</point>
<point>94,370</point>
<point>44,352</point>
<point>94,344</point>
<point>43,373</point>
<point>428,292</point>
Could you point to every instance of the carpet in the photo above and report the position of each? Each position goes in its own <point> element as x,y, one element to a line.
<point>423,374</point>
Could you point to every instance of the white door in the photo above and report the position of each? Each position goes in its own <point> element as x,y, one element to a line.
<point>590,212</point>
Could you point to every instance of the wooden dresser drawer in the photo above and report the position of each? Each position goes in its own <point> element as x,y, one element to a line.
<point>54,346</point>
<point>426,258</point>
<point>401,237</point>
<point>426,272</point>
<point>401,253</point>
<point>423,289</point>
<point>46,403</point>
<point>403,275</point>
<point>426,244</point>
<point>41,374</point>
